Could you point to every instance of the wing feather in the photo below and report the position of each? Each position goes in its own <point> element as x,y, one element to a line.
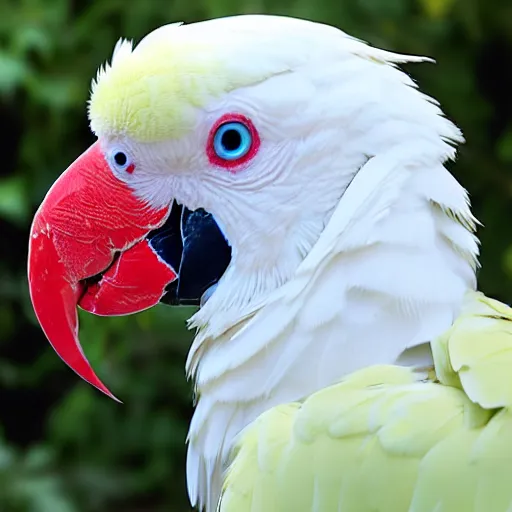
<point>382,441</point>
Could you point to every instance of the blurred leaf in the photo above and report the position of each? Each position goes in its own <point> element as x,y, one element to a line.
<point>437,8</point>
<point>13,72</point>
<point>7,457</point>
<point>73,413</point>
<point>29,38</point>
<point>56,92</point>
<point>13,201</point>
<point>38,458</point>
<point>29,483</point>
<point>505,146</point>
<point>385,8</point>
<point>507,261</point>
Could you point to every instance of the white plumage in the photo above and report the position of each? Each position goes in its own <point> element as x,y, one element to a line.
<point>352,245</point>
<point>358,249</point>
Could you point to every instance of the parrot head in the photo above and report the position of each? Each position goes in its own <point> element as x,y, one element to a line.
<point>223,147</point>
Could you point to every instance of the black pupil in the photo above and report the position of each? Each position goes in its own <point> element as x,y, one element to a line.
<point>231,140</point>
<point>120,158</point>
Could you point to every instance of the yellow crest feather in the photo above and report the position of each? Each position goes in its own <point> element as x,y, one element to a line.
<point>149,93</point>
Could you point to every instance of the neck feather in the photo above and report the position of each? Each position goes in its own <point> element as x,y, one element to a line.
<point>386,275</point>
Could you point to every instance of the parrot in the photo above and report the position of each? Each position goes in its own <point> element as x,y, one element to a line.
<point>290,181</point>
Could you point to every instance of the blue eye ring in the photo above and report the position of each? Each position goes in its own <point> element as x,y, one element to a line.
<point>232,141</point>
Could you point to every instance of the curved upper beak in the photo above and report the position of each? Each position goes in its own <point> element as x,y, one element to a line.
<point>95,245</point>
<point>86,220</point>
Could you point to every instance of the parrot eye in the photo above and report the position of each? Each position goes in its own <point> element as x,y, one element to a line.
<point>121,161</point>
<point>120,158</point>
<point>233,141</point>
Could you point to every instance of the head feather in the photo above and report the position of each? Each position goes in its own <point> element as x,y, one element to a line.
<point>150,92</point>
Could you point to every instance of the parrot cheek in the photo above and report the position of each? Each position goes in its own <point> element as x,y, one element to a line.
<point>136,281</point>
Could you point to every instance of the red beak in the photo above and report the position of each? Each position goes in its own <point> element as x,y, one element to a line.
<point>91,225</point>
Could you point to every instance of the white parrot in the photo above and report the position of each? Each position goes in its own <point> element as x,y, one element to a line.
<point>291,181</point>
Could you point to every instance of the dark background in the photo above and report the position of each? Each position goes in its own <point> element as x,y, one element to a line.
<point>64,447</point>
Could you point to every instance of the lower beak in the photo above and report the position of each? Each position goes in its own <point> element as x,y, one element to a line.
<point>95,245</point>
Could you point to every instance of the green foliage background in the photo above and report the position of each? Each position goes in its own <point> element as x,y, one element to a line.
<point>63,446</point>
